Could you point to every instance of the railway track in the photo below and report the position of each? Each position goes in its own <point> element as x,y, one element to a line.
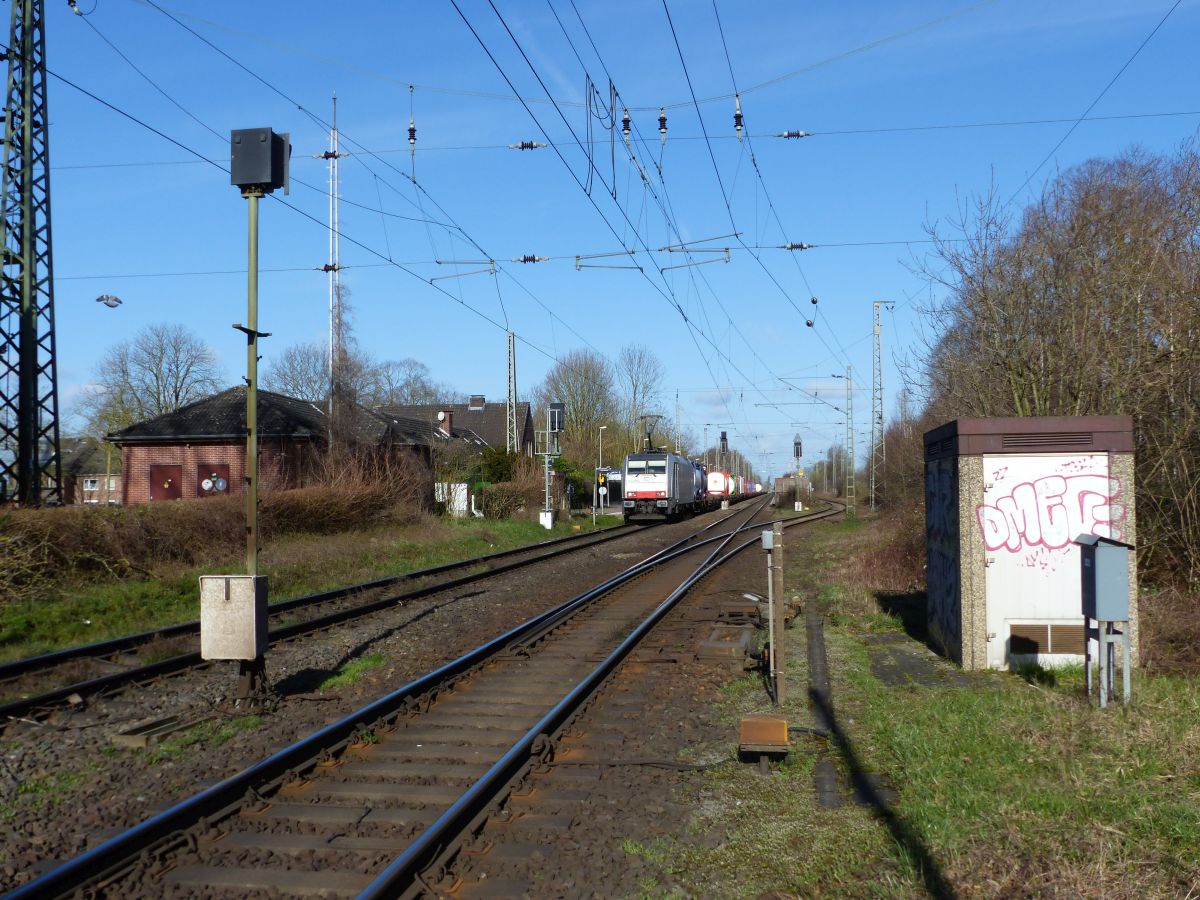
<point>381,801</point>
<point>38,685</point>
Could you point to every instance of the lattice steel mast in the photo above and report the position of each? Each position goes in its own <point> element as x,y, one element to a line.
<point>850,494</point>
<point>876,404</point>
<point>29,450</point>
<point>512,439</point>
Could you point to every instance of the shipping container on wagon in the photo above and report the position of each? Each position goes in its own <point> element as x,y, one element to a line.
<point>719,483</point>
<point>1005,500</point>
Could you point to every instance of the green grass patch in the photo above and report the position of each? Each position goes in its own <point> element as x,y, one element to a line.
<point>82,612</point>
<point>1010,783</point>
<point>353,671</point>
<point>43,792</point>
<point>212,733</point>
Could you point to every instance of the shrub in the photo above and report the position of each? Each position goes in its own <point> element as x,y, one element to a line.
<point>38,546</point>
<point>503,500</point>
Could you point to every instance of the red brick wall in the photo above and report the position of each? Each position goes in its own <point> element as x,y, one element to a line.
<point>278,466</point>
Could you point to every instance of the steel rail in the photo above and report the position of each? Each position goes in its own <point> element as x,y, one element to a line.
<point>16,668</point>
<point>436,844</point>
<point>25,706</point>
<point>222,798</point>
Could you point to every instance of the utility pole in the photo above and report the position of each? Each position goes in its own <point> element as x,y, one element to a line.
<point>30,467</point>
<point>333,267</point>
<point>849,443</point>
<point>512,441</point>
<point>678,449</point>
<point>878,448</point>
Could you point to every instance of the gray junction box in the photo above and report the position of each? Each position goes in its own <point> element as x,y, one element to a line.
<point>233,616</point>
<point>1105,570</point>
<point>1005,501</point>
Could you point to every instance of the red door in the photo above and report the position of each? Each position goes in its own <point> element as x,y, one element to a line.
<point>166,482</point>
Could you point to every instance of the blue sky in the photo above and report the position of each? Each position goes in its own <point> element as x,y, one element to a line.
<point>128,203</point>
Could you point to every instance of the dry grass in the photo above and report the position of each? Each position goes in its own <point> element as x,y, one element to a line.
<point>75,542</point>
<point>1169,624</point>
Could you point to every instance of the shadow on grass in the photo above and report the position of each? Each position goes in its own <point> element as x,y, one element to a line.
<point>867,788</point>
<point>1035,673</point>
<point>910,609</point>
<point>907,838</point>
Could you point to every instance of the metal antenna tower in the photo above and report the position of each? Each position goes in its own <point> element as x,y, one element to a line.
<point>878,450</point>
<point>334,266</point>
<point>510,412</point>
<point>850,496</point>
<point>30,468</point>
<point>678,449</point>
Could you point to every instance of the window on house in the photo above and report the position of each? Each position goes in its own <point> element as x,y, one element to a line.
<point>91,484</point>
<point>112,482</point>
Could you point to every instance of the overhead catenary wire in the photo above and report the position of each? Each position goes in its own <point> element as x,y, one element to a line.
<point>717,170</point>
<point>261,38</point>
<point>692,329</point>
<point>441,148</point>
<point>1098,98</point>
<point>669,216</point>
<point>450,226</point>
<point>668,212</point>
<point>664,202</point>
<point>303,213</point>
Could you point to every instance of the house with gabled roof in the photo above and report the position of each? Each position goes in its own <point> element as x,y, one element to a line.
<point>91,471</point>
<point>488,421</point>
<point>199,450</point>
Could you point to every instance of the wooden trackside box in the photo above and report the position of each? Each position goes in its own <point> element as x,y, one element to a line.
<point>763,733</point>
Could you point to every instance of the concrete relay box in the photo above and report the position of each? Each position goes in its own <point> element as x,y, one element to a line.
<point>233,616</point>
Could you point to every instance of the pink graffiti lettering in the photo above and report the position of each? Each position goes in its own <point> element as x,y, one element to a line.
<point>1051,512</point>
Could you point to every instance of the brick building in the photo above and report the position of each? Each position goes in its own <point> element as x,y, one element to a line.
<point>200,449</point>
<point>91,472</point>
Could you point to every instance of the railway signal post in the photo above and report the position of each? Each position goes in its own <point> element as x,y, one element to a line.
<point>777,615</point>
<point>233,608</point>
<point>772,542</point>
<point>554,426</point>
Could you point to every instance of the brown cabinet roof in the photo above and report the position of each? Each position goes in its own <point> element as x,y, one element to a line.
<point>1030,434</point>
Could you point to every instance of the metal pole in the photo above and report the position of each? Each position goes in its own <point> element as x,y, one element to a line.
<point>777,652</point>
<point>849,445</point>
<point>601,459</point>
<point>252,195</point>
<point>252,672</point>
<point>549,437</point>
<point>771,622</point>
<point>678,449</point>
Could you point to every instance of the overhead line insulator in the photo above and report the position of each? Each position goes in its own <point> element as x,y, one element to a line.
<point>662,125</point>
<point>625,126</point>
<point>530,259</point>
<point>796,246</point>
<point>737,116</point>
<point>526,145</point>
<point>792,135</point>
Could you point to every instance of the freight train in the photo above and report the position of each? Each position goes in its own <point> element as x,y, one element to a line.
<point>661,485</point>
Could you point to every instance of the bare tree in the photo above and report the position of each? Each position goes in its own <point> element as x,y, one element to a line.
<point>301,371</point>
<point>401,383</point>
<point>158,370</point>
<point>639,376</point>
<point>581,380</point>
<point>1087,306</point>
